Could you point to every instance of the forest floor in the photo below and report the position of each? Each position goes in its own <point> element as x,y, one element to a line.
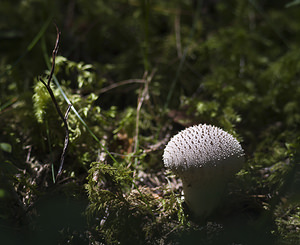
<point>92,91</point>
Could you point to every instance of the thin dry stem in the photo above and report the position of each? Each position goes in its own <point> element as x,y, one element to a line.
<point>144,94</point>
<point>177,34</point>
<point>63,117</point>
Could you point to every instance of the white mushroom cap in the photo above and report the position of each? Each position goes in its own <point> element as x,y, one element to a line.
<point>204,157</point>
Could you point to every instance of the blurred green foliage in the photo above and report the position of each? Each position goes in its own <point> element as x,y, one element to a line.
<point>137,72</point>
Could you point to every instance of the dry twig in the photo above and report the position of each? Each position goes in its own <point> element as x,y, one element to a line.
<point>116,85</point>
<point>63,117</point>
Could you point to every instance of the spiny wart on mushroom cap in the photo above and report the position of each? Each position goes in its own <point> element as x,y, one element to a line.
<point>204,157</point>
<point>200,146</point>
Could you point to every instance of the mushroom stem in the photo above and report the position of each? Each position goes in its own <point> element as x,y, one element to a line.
<point>203,194</point>
<point>202,200</point>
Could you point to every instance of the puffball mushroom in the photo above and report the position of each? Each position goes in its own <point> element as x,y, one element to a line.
<point>204,157</point>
